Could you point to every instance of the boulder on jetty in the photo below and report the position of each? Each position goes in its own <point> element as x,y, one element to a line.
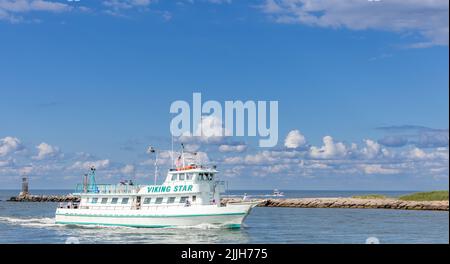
<point>349,203</point>
<point>44,198</point>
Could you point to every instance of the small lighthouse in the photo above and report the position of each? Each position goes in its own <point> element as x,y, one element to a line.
<point>24,191</point>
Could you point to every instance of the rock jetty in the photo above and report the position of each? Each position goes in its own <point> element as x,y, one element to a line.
<point>350,203</point>
<point>44,198</point>
<point>289,203</point>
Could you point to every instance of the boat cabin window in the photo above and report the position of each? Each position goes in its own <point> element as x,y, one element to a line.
<point>182,176</point>
<point>104,200</point>
<point>147,200</point>
<point>125,200</point>
<point>94,200</point>
<point>183,199</point>
<point>159,200</point>
<point>189,176</point>
<point>206,176</point>
<point>174,177</point>
<point>171,200</point>
<point>114,200</point>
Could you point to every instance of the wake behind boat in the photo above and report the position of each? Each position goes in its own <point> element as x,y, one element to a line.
<point>189,196</point>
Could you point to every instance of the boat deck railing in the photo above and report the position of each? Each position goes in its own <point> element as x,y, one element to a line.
<point>107,189</point>
<point>140,208</point>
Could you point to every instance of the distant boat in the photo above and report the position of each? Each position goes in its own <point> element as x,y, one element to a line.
<point>277,193</point>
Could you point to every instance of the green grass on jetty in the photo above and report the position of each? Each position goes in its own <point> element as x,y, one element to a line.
<point>421,196</point>
<point>370,196</point>
<point>426,196</point>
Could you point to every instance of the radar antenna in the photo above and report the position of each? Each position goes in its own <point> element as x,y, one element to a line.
<point>92,186</point>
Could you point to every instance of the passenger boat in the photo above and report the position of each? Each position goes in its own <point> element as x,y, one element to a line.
<point>189,196</point>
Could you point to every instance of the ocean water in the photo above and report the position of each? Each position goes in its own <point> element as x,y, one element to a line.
<point>34,223</point>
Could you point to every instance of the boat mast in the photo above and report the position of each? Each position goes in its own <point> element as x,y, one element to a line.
<point>156,167</point>
<point>152,150</point>
<point>171,155</point>
<point>92,185</point>
<point>85,183</point>
<point>182,155</point>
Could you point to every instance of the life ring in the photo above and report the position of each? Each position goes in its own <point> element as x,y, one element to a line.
<point>186,168</point>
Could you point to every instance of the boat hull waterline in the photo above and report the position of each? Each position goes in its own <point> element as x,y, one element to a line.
<point>231,216</point>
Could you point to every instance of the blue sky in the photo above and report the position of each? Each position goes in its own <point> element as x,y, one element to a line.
<point>362,86</point>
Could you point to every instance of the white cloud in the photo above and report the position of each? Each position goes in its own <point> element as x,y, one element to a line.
<point>232,160</point>
<point>18,6</point>
<point>202,158</point>
<point>417,153</point>
<point>86,165</point>
<point>10,8</point>
<point>264,157</point>
<point>25,170</point>
<point>212,132</point>
<point>9,145</point>
<point>233,171</point>
<point>192,147</point>
<point>46,151</point>
<point>378,169</point>
<point>372,149</point>
<point>232,148</point>
<point>261,158</point>
<point>211,126</point>
<point>6,163</point>
<point>294,139</point>
<point>278,168</point>
<point>329,150</point>
<point>312,164</point>
<point>165,158</point>
<point>41,5</point>
<point>331,159</point>
<point>118,7</point>
<point>420,154</point>
<point>128,169</point>
<point>428,18</point>
<point>126,4</point>
<point>335,158</point>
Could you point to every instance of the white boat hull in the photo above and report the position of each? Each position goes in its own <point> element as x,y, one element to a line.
<point>231,216</point>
